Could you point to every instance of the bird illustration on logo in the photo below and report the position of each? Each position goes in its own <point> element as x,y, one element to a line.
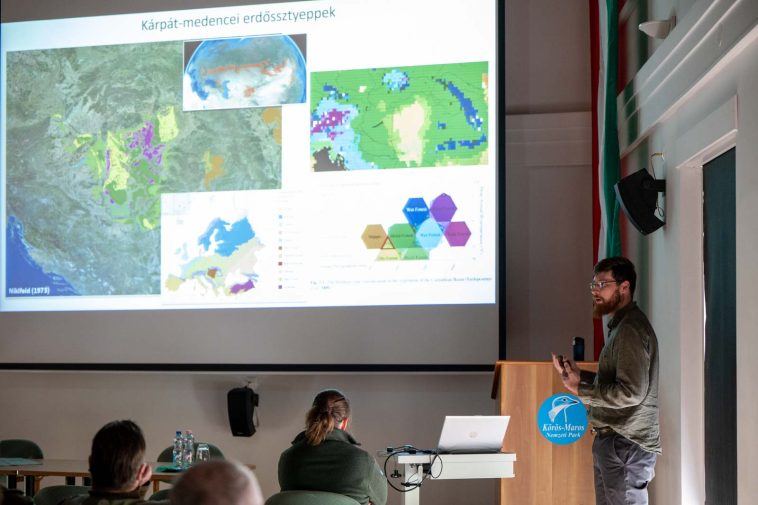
<point>560,404</point>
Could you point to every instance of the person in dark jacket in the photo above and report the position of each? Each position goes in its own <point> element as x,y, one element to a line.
<point>120,475</point>
<point>325,457</point>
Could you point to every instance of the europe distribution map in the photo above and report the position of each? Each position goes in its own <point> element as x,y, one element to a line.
<point>219,262</point>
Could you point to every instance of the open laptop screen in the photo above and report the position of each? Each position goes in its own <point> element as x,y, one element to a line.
<point>472,434</point>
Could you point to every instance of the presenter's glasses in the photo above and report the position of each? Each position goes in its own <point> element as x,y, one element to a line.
<point>600,284</point>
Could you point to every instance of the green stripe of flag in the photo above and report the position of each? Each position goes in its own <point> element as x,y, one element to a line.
<point>610,161</point>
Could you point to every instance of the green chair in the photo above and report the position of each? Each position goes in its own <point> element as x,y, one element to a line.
<point>52,495</point>
<point>19,448</point>
<point>309,498</point>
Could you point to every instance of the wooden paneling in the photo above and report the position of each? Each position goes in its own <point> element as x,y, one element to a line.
<point>546,473</point>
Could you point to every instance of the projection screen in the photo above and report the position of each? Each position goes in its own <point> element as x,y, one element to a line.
<point>276,186</point>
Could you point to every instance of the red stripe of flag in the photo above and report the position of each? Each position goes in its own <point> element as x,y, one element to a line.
<point>598,337</point>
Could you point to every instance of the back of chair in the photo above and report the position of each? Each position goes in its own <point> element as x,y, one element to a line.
<point>309,498</point>
<point>20,448</point>
<point>215,451</point>
<point>52,495</point>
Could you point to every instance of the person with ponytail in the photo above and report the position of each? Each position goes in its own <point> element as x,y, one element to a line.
<point>326,457</point>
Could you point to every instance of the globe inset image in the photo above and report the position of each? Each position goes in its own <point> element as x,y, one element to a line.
<point>244,72</point>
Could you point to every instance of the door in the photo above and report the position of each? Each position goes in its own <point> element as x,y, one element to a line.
<point>720,377</point>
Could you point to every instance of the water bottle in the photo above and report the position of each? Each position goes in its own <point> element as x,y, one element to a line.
<point>189,448</point>
<point>178,453</point>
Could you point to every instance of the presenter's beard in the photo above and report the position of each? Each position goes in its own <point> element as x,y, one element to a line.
<point>601,307</point>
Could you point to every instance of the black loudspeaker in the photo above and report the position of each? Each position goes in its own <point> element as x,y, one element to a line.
<point>637,194</point>
<point>241,403</point>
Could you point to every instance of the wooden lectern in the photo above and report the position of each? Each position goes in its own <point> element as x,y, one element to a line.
<point>547,474</point>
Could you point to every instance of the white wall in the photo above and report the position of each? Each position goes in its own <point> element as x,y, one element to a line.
<point>61,412</point>
<point>696,97</point>
<point>747,276</point>
<point>547,56</point>
<point>548,234</point>
<point>548,215</point>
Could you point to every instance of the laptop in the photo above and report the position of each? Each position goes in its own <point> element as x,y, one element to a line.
<point>473,434</point>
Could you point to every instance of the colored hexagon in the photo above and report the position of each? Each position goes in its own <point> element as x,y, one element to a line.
<point>374,236</point>
<point>416,211</point>
<point>402,235</point>
<point>428,234</point>
<point>415,253</point>
<point>443,209</point>
<point>457,234</point>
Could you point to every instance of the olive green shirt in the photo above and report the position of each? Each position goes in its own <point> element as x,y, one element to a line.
<point>623,395</point>
<point>336,465</point>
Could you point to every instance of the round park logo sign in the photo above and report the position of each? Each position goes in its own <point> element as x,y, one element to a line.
<point>562,419</point>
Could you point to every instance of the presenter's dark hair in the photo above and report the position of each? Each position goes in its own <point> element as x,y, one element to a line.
<point>118,450</point>
<point>621,269</point>
<point>329,408</point>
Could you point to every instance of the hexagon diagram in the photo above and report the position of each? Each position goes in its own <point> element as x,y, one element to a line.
<point>457,234</point>
<point>443,209</point>
<point>424,230</point>
<point>416,211</point>
<point>374,236</point>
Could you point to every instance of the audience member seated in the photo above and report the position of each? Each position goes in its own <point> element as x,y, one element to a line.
<point>325,457</point>
<point>117,465</point>
<point>217,482</point>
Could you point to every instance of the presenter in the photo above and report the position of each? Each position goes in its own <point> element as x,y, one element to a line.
<point>623,396</point>
<point>325,457</point>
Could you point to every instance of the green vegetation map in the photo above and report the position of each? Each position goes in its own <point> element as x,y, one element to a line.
<point>95,135</point>
<point>420,116</point>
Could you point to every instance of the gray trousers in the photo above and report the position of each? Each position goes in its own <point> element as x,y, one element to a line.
<point>622,470</point>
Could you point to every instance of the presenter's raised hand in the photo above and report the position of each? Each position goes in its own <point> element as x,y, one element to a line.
<point>570,374</point>
<point>558,363</point>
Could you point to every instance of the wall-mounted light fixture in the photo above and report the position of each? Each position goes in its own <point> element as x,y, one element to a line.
<point>658,29</point>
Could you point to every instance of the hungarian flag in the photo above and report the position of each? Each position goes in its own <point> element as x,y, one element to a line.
<point>605,157</point>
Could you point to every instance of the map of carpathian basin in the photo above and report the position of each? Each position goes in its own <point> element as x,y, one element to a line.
<point>405,117</point>
<point>98,134</point>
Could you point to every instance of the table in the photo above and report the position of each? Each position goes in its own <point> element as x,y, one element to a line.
<point>72,468</point>
<point>420,466</point>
